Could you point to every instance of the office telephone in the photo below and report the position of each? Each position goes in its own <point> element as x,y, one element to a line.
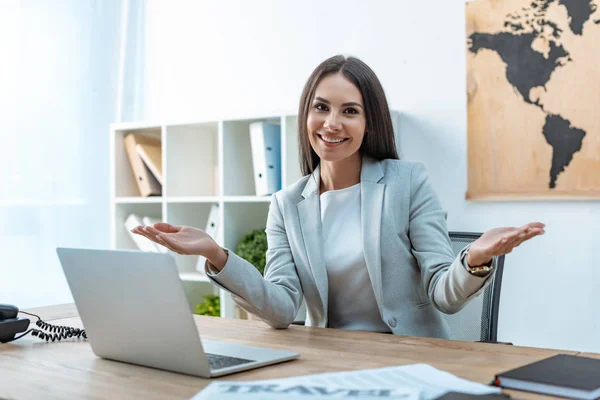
<point>11,324</point>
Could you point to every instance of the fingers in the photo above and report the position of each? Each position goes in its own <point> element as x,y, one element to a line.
<point>533,225</point>
<point>162,239</point>
<point>515,236</point>
<point>531,233</point>
<point>506,242</point>
<point>519,236</point>
<point>152,231</point>
<point>166,228</point>
<point>140,231</point>
<point>154,236</point>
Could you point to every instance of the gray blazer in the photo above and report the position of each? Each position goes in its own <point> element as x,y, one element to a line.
<point>407,251</point>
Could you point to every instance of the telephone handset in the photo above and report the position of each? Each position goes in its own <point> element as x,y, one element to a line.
<point>11,324</point>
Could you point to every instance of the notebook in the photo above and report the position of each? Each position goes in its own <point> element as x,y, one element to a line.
<point>561,375</point>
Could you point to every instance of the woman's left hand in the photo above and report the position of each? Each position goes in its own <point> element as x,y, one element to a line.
<point>499,241</point>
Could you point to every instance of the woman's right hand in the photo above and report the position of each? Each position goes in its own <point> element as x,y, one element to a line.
<point>180,239</point>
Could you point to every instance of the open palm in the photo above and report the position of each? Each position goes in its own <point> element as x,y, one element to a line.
<point>180,239</point>
<point>499,241</point>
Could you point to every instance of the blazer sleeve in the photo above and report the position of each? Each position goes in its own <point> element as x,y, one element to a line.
<point>274,298</point>
<point>447,283</point>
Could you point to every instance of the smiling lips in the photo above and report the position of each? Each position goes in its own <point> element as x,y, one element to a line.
<point>331,141</point>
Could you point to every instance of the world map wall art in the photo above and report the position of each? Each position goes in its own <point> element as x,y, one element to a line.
<point>533,99</point>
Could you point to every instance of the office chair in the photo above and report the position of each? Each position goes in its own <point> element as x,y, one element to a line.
<point>478,320</point>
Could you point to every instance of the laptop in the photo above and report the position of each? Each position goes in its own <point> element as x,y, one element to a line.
<point>134,309</point>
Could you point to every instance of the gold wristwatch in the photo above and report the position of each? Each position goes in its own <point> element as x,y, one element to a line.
<point>479,271</point>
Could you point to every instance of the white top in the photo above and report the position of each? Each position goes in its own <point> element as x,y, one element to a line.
<point>352,302</point>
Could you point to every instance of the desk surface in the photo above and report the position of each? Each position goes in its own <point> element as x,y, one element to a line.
<point>31,368</point>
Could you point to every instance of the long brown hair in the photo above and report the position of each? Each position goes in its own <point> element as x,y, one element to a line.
<point>379,141</point>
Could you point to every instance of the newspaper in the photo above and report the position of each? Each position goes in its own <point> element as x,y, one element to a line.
<point>407,382</point>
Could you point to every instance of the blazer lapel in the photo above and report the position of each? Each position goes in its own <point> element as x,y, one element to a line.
<point>309,211</point>
<point>370,213</point>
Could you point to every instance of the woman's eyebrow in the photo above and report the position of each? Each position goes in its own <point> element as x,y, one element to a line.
<point>350,103</point>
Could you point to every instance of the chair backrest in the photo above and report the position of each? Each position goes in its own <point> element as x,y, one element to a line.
<point>478,320</point>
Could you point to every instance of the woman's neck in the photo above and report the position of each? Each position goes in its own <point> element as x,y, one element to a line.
<point>340,174</point>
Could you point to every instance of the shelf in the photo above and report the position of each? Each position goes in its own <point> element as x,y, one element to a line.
<point>192,199</point>
<point>193,277</point>
<point>204,163</point>
<point>190,214</point>
<point>139,200</point>
<point>247,199</point>
<point>192,160</point>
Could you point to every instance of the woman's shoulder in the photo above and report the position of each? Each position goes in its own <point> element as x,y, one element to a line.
<point>401,169</point>
<point>292,192</point>
<point>400,164</point>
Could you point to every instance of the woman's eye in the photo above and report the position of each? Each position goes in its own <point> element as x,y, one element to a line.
<point>351,111</point>
<point>321,107</point>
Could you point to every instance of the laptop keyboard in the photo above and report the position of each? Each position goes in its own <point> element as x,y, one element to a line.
<point>217,361</point>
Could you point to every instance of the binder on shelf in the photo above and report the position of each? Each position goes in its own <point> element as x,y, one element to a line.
<point>151,155</point>
<point>151,221</point>
<point>212,229</point>
<point>265,141</point>
<point>147,183</point>
<point>142,243</point>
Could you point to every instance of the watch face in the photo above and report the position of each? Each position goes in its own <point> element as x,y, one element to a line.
<point>480,271</point>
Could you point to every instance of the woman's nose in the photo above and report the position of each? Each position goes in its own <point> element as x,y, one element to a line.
<point>333,122</point>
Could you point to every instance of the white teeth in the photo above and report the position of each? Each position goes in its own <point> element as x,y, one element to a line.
<point>330,140</point>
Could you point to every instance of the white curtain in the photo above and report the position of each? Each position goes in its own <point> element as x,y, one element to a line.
<point>59,80</point>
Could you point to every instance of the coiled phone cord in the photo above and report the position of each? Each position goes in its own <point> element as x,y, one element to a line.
<point>57,332</point>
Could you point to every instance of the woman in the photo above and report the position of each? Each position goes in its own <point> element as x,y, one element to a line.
<point>362,237</point>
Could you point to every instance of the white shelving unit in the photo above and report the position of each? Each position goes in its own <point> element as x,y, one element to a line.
<point>204,163</point>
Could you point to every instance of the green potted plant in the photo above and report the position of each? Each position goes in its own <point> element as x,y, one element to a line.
<point>210,306</point>
<point>253,248</point>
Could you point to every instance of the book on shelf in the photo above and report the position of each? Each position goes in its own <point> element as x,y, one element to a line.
<point>151,155</point>
<point>142,242</point>
<point>561,375</point>
<point>265,142</point>
<point>212,229</point>
<point>147,183</point>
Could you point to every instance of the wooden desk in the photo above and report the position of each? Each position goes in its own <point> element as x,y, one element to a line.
<point>31,368</point>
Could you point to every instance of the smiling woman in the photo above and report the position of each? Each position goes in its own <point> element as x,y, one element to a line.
<point>333,235</point>
<point>335,121</point>
<point>336,127</point>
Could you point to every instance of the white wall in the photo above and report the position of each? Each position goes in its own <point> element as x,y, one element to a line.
<point>214,59</point>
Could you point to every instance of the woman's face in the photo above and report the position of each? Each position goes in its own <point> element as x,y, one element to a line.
<point>336,120</point>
